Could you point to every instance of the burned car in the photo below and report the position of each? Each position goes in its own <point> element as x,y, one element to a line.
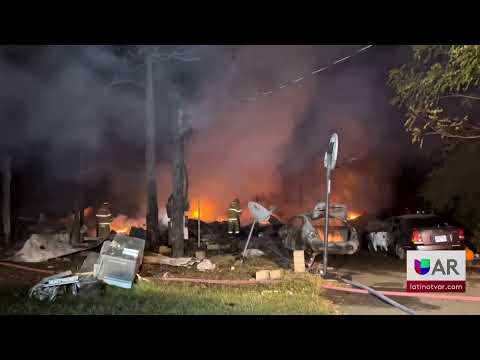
<point>306,232</point>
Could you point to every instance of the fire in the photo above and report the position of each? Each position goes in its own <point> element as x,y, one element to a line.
<point>208,210</point>
<point>352,215</point>
<point>122,224</point>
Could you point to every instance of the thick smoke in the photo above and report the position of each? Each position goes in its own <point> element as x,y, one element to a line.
<point>65,125</point>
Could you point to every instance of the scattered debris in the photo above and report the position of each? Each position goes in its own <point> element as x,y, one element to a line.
<point>218,247</point>
<point>43,247</point>
<point>223,260</point>
<point>205,265</point>
<point>53,286</point>
<point>120,260</point>
<point>89,263</point>
<point>254,253</point>
<point>166,260</point>
<point>165,250</point>
<point>138,233</point>
<point>200,255</point>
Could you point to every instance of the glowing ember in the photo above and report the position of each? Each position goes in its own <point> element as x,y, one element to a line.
<point>352,215</point>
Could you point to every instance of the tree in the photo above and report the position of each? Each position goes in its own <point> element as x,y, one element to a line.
<point>149,55</point>
<point>439,88</point>
<point>452,188</point>
<point>179,203</point>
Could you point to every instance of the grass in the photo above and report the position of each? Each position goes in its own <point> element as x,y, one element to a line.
<point>297,294</point>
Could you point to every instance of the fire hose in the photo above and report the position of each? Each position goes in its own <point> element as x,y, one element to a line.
<point>380,296</point>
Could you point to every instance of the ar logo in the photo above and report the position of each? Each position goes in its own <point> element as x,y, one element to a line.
<point>422,267</point>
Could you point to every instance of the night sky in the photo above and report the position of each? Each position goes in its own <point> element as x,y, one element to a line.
<point>65,127</point>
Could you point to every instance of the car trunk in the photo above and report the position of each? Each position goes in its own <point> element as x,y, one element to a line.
<point>440,236</point>
<point>336,234</point>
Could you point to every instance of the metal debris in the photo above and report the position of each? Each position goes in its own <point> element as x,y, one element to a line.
<point>205,265</point>
<point>254,253</point>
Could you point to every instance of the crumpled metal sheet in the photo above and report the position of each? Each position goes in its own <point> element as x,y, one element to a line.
<point>43,247</point>
<point>52,287</point>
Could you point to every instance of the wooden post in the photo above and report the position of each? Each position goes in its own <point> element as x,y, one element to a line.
<point>150,159</point>
<point>180,190</point>
<point>198,224</point>
<point>6,208</point>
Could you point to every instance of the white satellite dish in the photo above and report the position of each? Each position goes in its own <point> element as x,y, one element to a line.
<point>332,153</point>
<point>259,213</point>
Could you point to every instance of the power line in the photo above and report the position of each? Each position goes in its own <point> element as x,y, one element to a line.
<point>304,77</point>
<point>299,79</point>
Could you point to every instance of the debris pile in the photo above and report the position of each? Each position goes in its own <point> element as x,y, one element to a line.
<point>57,285</point>
<point>45,246</point>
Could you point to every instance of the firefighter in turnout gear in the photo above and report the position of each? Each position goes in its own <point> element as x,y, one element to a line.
<point>105,219</point>
<point>234,217</point>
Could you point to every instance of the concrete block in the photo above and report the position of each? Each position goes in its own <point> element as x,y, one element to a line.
<point>262,275</point>
<point>299,261</point>
<point>276,274</point>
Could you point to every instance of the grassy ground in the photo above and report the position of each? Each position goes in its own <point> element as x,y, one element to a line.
<point>295,295</point>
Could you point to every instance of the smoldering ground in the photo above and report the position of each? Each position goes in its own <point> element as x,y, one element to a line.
<point>66,126</point>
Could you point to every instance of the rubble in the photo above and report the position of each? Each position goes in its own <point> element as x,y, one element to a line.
<point>254,253</point>
<point>165,250</point>
<point>205,265</point>
<point>200,255</point>
<point>54,286</point>
<point>222,260</point>
<point>166,260</point>
<point>43,247</point>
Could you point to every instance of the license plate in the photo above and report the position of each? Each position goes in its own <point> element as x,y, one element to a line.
<point>441,238</point>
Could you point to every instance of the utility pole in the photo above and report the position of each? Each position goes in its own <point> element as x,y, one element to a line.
<point>150,55</point>
<point>198,230</point>
<point>179,199</point>
<point>150,158</point>
<point>6,188</point>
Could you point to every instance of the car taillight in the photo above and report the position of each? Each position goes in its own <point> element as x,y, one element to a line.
<point>417,237</point>
<point>461,234</point>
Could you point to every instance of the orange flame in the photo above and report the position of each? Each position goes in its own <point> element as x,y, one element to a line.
<point>352,215</point>
<point>122,224</point>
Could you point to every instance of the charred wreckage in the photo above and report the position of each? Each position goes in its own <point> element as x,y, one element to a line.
<point>305,232</point>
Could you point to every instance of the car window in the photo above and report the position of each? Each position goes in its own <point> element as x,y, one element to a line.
<point>426,222</point>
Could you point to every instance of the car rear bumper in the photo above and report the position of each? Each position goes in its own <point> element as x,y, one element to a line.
<point>437,247</point>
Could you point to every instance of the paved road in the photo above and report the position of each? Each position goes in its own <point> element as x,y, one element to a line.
<point>386,273</point>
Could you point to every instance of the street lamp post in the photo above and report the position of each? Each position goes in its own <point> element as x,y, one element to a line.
<point>330,161</point>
